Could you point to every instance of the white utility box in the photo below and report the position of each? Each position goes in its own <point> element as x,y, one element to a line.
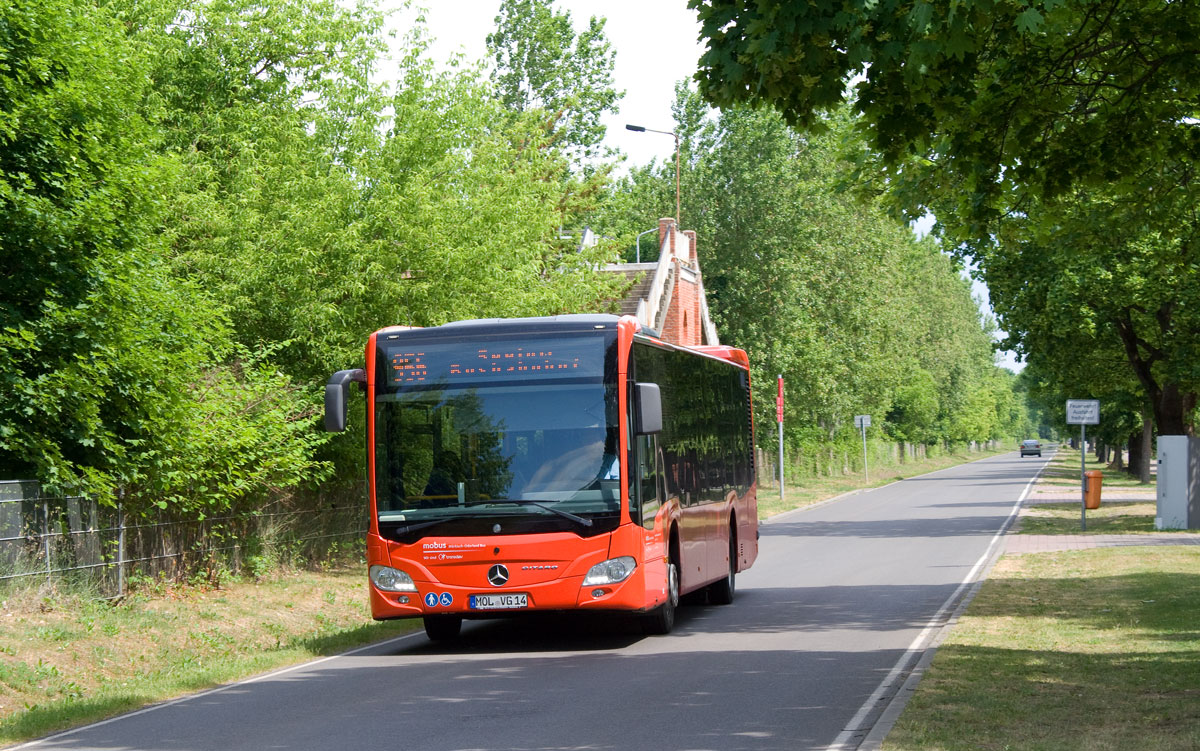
<point>1178,482</point>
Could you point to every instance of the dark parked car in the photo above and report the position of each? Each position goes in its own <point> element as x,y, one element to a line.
<point>1031,447</point>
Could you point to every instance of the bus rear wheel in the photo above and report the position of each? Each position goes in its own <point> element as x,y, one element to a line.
<point>721,592</point>
<point>662,619</point>
<point>442,627</point>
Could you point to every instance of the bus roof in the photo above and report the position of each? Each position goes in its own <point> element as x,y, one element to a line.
<point>544,323</point>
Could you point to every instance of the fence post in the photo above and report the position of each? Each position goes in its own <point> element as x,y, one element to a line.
<point>120,543</point>
<point>46,536</point>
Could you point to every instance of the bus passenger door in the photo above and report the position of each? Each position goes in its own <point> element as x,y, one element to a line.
<point>649,481</point>
<point>646,500</point>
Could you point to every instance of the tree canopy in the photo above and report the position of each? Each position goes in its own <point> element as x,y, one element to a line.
<point>1055,141</point>
<point>831,292</point>
<point>995,97</point>
<point>542,64</point>
<point>206,207</point>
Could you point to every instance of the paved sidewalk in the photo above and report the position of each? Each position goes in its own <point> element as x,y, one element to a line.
<point>1045,493</point>
<point>1018,544</point>
<point>1066,494</point>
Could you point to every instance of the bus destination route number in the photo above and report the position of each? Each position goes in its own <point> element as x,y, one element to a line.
<point>433,364</point>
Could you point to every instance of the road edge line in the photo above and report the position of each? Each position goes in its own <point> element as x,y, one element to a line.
<point>925,644</point>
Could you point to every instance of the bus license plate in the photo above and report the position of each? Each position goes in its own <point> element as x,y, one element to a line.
<point>499,602</point>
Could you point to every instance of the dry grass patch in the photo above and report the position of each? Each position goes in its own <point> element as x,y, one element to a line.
<point>66,660</point>
<point>1091,649</point>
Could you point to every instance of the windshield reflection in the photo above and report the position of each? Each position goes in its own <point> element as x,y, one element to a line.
<point>460,453</point>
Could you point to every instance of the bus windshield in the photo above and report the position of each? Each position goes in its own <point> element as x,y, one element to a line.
<point>462,452</point>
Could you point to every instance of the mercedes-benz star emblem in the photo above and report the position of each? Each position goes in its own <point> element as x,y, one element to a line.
<point>498,575</point>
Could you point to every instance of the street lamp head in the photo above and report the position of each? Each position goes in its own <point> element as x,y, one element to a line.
<point>675,135</point>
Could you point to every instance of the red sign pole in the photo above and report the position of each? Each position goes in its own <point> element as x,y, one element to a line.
<point>779,419</point>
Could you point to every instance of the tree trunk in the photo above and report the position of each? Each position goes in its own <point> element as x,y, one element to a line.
<point>1171,410</point>
<point>1147,435</point>
<point>1171,405</point>
<point>1118,459</point>
<point>1135,453</point>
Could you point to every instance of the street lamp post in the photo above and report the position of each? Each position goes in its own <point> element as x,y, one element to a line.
<point>641,129</point>
<point>638,242</point>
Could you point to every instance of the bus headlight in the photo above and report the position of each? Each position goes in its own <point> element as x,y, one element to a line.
<point>391,580</point>
<point>611,571</point>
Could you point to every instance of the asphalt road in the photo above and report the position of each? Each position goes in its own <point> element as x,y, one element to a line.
<point>842,601</point>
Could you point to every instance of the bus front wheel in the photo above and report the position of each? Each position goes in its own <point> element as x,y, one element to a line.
<point>662,619</point>
<point>442,627</point>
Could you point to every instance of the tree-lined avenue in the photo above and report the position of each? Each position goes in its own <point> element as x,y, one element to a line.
<point>838,596</point>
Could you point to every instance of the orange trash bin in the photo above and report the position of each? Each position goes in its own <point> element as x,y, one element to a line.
<point>1091,494</point>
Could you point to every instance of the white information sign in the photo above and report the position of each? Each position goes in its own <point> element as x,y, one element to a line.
<point>862,421</point>
<point>1083,411</point>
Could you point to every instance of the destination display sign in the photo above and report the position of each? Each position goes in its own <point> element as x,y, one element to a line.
<point>541,358</point>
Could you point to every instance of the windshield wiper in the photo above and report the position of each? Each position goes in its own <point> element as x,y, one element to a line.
<point>539,504</point>
<point>406,528</point>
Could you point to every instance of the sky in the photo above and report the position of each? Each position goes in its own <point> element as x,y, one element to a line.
<point>655,41</point>
<point>656,44</point>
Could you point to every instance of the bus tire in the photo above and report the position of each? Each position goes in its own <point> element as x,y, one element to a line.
<point>721,592</point>
<point>662,619</point>
<point>442,627</point>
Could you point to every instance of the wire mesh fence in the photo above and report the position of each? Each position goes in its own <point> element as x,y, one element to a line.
<point>76,539</point>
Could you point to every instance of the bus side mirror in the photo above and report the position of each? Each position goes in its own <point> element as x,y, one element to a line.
<point>648,409</point>
<point>337,394</point>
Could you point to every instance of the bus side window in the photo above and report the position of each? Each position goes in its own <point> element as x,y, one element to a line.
<point>649,471</point>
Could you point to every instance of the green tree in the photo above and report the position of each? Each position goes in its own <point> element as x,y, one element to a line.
<point>832,293</point>
<point>998,96</point>
<point>989,114</point>
<point>913,417</point>
<point>318,206</point>
<point>114,368</point>
<point>541,65</point>
<point>76,210</point>
<point>1090,279</point>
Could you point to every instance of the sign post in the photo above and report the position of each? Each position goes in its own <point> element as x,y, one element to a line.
<point>1083,412</point>
<point>862,422</point>
<point>779,419</point>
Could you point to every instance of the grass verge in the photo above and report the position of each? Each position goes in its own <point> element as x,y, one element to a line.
<point>68,660</point>
<point>1112,518</point>
<point>813,490</point>
<point>1093,649</point>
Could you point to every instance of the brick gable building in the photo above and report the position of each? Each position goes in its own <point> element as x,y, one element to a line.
<point>667,296</point>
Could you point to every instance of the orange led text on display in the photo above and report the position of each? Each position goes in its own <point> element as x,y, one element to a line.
<point>408,367</point>
<point>431,364</point>
<point>517,360</point>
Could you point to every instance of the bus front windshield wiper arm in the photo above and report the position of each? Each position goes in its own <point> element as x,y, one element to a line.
<point>406,528</point>
<point>539,504</point>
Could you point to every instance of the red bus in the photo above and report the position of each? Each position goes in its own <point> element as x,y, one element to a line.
<point>574,462</point>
